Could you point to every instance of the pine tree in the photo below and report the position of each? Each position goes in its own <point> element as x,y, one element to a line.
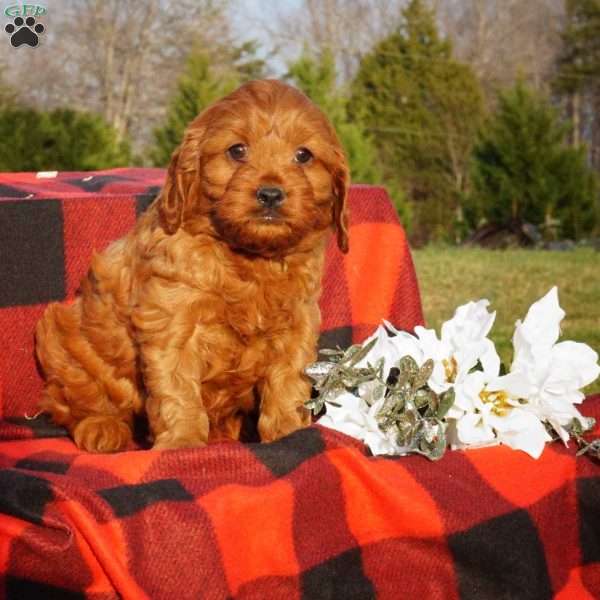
<point>317,78</point>
<point>198,87</point>
<point>578,71</point>
<point>523,170</point>
<point>245,61</point>
<point>205,78</point>
<point>579,60</point>
<point>63,139</point>
<point>423,108</point>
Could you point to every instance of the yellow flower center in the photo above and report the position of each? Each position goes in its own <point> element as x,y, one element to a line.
<point>498,400</point>
<point>450,369</point>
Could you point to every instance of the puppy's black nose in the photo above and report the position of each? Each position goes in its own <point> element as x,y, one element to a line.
<point>270,197</point>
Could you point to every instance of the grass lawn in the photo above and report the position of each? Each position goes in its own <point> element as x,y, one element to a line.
<point>512,280</point>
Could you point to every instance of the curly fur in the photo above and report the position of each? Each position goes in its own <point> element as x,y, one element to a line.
<point>204,309</point>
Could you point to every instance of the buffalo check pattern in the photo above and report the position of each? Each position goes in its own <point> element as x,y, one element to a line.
<point>49,229</point>
<point>312,516</point>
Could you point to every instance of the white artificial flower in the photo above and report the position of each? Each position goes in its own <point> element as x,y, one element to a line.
<point>494,414</point>
<point>556,371</point>
<point>356,418</point>
<point>391,348</point>
<point>356,415</point>
<point>543,385</point>
<point>462,344</point>
<point>346,415</point>
<point>471,323</point>
<point>541,326</point>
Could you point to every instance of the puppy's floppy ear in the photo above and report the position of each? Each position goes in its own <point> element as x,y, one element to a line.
<point>181,183</point>
<point>171,202</point>
<point>341,183</point>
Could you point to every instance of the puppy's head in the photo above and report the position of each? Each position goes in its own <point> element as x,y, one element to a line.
<point>264,168</point>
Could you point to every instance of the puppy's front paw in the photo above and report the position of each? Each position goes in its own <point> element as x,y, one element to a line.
<point>272,427</point>
<point>166,441</point>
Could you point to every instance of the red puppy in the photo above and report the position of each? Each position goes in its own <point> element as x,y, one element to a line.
<point>210,304</point>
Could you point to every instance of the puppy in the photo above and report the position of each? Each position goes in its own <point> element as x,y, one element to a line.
<point>209,306</point>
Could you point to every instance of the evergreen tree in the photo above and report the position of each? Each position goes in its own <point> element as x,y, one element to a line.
<point>205,79</point>
<point>523,170</point>
<point>317,79</point>
<point>198,87</point>
<point>578,71</point>
<point>245,61</point>
<point>579,61</point>
<point>423,108</point>
<point>64,140</point>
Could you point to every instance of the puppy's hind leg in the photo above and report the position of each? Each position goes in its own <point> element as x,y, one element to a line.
<point>82,392</point>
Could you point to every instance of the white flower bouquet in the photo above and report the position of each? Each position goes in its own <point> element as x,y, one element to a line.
<point>402,393</point>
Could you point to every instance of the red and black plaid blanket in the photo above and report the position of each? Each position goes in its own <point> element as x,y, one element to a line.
<point>311,516</point>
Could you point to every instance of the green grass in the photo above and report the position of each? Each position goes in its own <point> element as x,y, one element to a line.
<point>512,280</point>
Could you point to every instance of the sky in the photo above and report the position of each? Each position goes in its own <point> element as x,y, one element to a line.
<point>249,18</point>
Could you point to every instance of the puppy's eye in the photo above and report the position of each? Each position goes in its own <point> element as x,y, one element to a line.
<point>303,155</point>
<point>238,152</point>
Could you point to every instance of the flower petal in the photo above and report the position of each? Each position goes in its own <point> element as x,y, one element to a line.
<point>541,326</point>
<point>380,444</point>
<point>490,360</point>
<point>472,430</point>
<point>381,349</point>
<point>516,384</point>
<point>471,322</point>
<point>574,365</point>
<point>349,428</point>
<point>526,433</point>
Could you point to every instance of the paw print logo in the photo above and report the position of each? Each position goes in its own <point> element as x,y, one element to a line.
<point>24,32</point>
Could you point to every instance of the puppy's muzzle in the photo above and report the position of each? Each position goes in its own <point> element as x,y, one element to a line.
<point>270,197</point>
